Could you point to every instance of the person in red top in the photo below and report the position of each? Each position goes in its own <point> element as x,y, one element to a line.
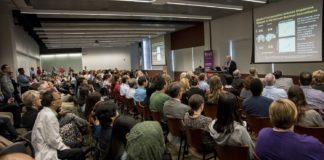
<point>39,71</point>
<point>61,70</point>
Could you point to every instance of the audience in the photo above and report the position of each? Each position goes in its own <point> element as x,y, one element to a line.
<point>5,81</point>
<point>193,118</point>
<point>280,142</point>
<point>314,97</point>
<point>227,129</point>
<point>131,91</point>
<point>9,105</point>
<point>46,140</point>
<point>23,80</point>
<point>306,116</point>
<point>145,141</point>
<point>158,98</point>
<point>228,86</point>
<point>253,72</point>
<point>140,92</point>
<point>106,112</point>
<point>246,92</point>
<point>257,105</point>
<point>283,83</point>
<point>270,91</point>
<point>318,77</point>
<point>194,89</point>
<point>32,102</point>
<point>120,131</point>
<point>202,82</point>
<point>124,87</point>
<point>215,89</point>
<point>237,81</point>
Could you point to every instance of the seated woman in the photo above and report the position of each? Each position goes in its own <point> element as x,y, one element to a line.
<point>215,90</point>
<point>280,142</point>
<point>306,116</point>
<point>246,92</point>
<point>145,141</point>
<point>227,129</point>
<point>193,117</point>
<point>120,129</point>
<point>32,101</point>
<point>193,90</point>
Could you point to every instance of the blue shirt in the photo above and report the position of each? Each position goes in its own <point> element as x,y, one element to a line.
<point>272,145</point>
<point>23,80</point>
<point>313,97</point>
<point>257,106</point>
<point>274,93</point>
<point>140,94</point>
<point>203,85</point>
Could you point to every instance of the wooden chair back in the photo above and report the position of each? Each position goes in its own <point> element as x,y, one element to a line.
<point>175,126</point>
<point>317,132</point>
<point>255,124</point>
<point>156,116</point>
<point>210,110</point>
<point>130,104</point>
<point>194,138</point>
<point>225,152</point>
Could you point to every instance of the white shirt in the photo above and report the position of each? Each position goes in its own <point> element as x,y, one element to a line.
<point>131,93</point>
<point>274,93</point>
<point>46,138</point>
<point>123,89</point>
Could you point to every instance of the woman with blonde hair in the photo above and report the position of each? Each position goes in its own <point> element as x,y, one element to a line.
<point>185,85</point>
<point>32,101</point>
<point>215,89</point>
<point>318,77</point>
<point>280,142</point>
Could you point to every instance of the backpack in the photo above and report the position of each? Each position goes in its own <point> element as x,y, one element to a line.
<point>71,135</point>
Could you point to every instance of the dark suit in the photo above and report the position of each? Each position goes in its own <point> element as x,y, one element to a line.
<point>231,67</point>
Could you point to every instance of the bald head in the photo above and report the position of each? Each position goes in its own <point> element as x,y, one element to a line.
<point>228,58</point>
<point>269,79</point>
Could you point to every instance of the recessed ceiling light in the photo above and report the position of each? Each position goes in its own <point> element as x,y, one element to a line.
<point>256,1</point>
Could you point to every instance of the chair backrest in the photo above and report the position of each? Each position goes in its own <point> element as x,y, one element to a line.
<point>317,132</point>
<point>210,110</point>
<point>175,125</point>
<point>145,111</point>
<point>255,124</point>
<point>225,152</point>
<point>27,138</point>
<point>131,104</point>
<point>17,147</point>
<point>156,116</point>
<point>194,138</point>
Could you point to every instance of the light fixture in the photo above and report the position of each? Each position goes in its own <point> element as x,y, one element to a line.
<point>101,33</point>
<point>203,4</point>
<point>187,3</point>
<point>114,14</point>
<point>256,1</point>
<point>93,36</point>
<point>166,29</point>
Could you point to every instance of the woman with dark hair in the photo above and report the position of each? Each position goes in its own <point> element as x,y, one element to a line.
<point>306,116</point>
<point>121,127</point>
<point>193,90</point>
<point>227,129</point>
<point>106,113</point>
<point>90,102</point>
<point>246,92</point>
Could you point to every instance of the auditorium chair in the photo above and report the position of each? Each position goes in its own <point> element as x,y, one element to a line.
<point>255,124</point>
<point>210,110</point>
<point>317,132</point>
<point>226,152</point>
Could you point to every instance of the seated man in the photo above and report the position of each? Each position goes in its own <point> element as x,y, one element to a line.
<point>314,97</point>
<point>257,105</point>
<point>280,142</point>
<point>158,98</point>
<point>283,83</point>
<point>46,140</point>
<point>270,90</point>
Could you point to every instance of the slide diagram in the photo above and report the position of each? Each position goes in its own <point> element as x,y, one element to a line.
<point>261,38</point>
<point>287,45</point>
<point>286,29</point>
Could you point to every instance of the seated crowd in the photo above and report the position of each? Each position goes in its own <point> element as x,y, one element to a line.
<point>112,114</point>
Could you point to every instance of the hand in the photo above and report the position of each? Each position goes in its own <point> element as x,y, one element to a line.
<point>11,100</point>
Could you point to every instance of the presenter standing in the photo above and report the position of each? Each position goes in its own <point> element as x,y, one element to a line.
<point>230,65</point>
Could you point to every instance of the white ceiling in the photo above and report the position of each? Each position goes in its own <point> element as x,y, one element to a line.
<point>98,23</point>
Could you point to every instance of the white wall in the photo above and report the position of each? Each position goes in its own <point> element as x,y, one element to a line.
<point>73,60</point>
<point>27,50</point>
<point>105,58</point>
<point>238,29</point>
<point>187,59</point>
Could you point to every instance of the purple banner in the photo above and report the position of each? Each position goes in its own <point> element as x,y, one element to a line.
<point>208,59</point>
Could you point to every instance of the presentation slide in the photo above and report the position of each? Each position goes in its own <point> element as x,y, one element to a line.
<point>288,31</point>
<point>158,54</point>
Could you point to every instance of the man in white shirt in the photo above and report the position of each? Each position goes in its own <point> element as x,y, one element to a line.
<point>46,140</point>
<point>271,91</point>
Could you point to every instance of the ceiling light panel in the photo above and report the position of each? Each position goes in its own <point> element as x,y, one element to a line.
<point>256,1</point>
<point>101,33</point>
<point>203,4</point>
<point>95,36</point>
<point>104,29</point>
<point>115,14</point>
